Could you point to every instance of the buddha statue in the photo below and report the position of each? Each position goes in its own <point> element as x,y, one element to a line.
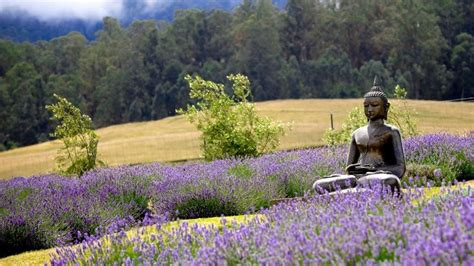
<point>375,153</point>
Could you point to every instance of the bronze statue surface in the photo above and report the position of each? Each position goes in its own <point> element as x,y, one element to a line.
<point>375,153</point>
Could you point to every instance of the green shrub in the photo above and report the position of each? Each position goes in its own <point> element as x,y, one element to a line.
<point>401,116</point>
<point>230,126</point>
<point>419,174</point>
<point>79,152</point>
<point>447,169</point>
<point>354,120</point>
<point>241,171</point>
<point>200,207</point>
<point>297,185</point>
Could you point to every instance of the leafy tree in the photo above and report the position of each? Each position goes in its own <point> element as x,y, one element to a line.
<point>303,29</point>
<point>25,92</point>
<point>109,95</point>
<point>109,51</point>
<point>230,126</point>
<point>374,68</point>
<point>462,61</point>
<point>258,51</point>
<point>135,71</point>
<point>10,54</point>
<point>401,115</point>
<point>416,49</point>
<point>4,117</point>
<point>79,151</point>
<point>332,75</point>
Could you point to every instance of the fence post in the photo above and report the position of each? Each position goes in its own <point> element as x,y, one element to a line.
<point>332,123</point>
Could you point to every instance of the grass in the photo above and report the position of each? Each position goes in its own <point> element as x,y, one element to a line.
<point>175,139</point>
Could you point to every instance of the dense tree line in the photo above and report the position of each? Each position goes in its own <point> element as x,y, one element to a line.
<point>311,49</point>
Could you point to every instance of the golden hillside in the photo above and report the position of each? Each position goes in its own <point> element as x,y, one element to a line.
<point>174,138</point>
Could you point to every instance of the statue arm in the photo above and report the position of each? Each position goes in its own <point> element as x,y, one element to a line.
<point>354,154</point>
<point>398,168</point>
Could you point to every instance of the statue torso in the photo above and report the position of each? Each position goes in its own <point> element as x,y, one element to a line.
<point>375,145</point>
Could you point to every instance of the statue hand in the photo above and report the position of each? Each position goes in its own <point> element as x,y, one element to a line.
<point>360,169</point>
<point>352,167</point>
<point>367,167</point>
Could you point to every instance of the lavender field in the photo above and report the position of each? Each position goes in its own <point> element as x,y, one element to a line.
<point>365,228</point>
<point>48,211</point>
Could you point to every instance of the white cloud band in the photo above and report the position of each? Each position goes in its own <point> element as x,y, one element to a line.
<point>60,9</point>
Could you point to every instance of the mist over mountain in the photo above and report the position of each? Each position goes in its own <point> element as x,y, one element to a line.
<point>43,20</point>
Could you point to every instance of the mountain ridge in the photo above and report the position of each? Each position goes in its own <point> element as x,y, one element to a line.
<point>20,26</point>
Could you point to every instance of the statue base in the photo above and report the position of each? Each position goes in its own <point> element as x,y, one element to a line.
<point>368,180</point>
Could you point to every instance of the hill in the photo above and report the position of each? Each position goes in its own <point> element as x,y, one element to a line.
<point>19,25</point>
<point>175,139</point>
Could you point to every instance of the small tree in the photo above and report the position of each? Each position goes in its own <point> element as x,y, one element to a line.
<point>399,116</point>
<point>79,153</point>
<point>230,126</point>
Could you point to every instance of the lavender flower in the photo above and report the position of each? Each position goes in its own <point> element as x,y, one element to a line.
<point>46,211</point>
<point>352,228</point>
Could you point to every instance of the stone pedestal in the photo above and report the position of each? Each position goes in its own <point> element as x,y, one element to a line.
<point>334,182</point>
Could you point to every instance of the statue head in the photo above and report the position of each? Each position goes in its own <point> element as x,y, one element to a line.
<point>376,103</point>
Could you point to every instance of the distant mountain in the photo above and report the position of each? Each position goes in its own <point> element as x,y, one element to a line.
<point>20,26</point>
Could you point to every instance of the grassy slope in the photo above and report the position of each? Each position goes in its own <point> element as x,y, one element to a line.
<point>174,138</point>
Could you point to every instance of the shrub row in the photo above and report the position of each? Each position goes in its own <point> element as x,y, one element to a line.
<point>46,211</point>
<point>367,228</point>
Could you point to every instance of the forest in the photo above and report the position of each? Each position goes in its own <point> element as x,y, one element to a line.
<point>309,49</point>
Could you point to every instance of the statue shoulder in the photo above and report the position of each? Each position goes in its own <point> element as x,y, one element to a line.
<point>360,130</point>
<point>394,130</point>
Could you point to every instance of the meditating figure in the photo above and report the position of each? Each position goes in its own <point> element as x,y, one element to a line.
<point>375,153</point>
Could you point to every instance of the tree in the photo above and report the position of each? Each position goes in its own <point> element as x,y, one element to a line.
<point>304,29</point>
<point>61,55</point>
<point>416,50</point>
<point>362,26</point>
<point>4,116</point>
<point>462,62</point>
<point>25,92</point>
<point>79,151</point>
<point>10,54</point>
<point>374,68</point>
<point>230,126</point>
<point>332,75</point>
<point>258,51</point>
<point>110,50</point>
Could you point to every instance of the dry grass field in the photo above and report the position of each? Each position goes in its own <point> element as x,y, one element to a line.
<point>175,139</point>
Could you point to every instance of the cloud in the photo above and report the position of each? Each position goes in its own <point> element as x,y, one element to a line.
<point>64,9</point>
<point>157,4</point>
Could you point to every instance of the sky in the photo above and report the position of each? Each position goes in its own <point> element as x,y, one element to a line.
<point>60,9</point>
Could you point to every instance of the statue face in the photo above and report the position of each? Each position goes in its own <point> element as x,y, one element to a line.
<point>374,108</point>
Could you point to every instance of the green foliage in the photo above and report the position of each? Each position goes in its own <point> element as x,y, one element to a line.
<point>79,153</point>
<point>230,126</point>
<point>462,61</point>
<point>400,116</point>
<point>313,49</point>
<point>439,169</point>
<point>204,207</point>
<point>241,171</point>
<point>354,120</point>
